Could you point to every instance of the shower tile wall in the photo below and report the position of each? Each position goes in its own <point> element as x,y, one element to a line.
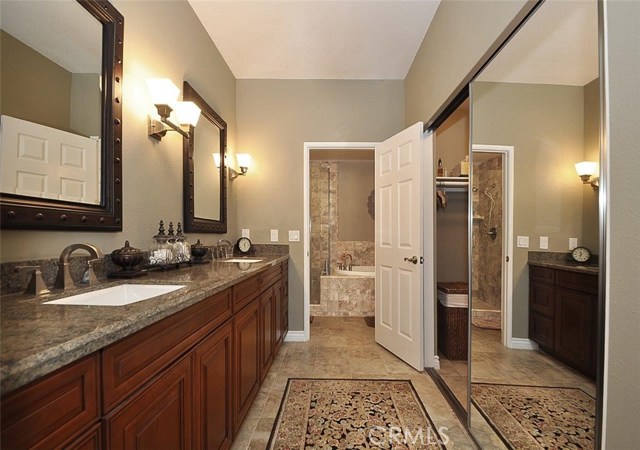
<point>323,202</point>
<point>487,252</point>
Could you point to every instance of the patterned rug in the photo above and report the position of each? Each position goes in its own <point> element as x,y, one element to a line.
<point>370,321</point>
<point>353,414</point>
<point>531,417</point>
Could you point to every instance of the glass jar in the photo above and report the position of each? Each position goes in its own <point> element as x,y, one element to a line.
<point>161,251</point>
<point>181,248</point>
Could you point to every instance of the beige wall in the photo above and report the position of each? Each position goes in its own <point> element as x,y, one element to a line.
<point>86,104</point>
<point>156,44</point>
<point>590,228</point>
<point>544,123</point>
<point>622,407</point>
<point>275,119</point>
<point>460,33</point>
<point>33,87</point>
<point>355,183</point>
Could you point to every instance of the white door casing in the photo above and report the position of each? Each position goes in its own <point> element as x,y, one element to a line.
<point>399,240</point>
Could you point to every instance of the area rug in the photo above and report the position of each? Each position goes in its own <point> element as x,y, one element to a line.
<point>353,414</point>
<point>534,417</point>
<point>370,321</point>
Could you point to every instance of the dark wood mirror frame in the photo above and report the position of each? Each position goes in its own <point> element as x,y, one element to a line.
<point>191,222</point>
<point>20,212</point>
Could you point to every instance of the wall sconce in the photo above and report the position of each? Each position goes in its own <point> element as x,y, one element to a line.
<point>164,95</point>
<point>244,162</point>
<point>586,170</point>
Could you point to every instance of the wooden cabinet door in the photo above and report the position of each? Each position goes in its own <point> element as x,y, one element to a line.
<point>50,412</point>
<point>157,417</point>
<point>213,360</point>
<point>267,332</point>
<point>278,316</point>
<point>573,327</point>
<point>542,298</point>
<point>246,330</point>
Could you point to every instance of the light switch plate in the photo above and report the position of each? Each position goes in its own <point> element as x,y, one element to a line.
<point>294,235</point>
<point>274,235</point>
<point>573,243</point>
<point>544,242</point>
<point>523,241</point>
<point>246,233</point>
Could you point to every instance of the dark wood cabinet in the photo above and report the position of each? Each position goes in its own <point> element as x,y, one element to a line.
<point>246,379</point>
<point>52,412</point>
<point>185,382</point>
<point>213,362</point>
<point>563,308</point>
<point>158,416</point>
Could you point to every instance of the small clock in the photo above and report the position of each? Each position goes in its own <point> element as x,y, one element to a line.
<point>244,245</point>
<point>581,254</point>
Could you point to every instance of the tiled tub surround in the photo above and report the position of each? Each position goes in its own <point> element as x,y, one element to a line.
<point>487,252</point>
<point>38,339</point>
<point>325,241</point>
<point>346,296</point>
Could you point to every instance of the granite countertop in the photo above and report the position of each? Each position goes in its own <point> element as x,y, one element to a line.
<point>38,339</point>
<point>561,261</point>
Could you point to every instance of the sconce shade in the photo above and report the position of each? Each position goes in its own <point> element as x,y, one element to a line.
<point>244,160</point>
<point>162,91</point>
<point>216,159</point>
<point>187,113</point>
<point>586,168</point>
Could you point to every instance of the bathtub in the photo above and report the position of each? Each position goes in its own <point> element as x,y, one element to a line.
<point>347,293</point>
<point>357,271</point>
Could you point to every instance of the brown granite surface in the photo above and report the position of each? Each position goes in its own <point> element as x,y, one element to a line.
<point>555,260</point>
<point>38,339</point>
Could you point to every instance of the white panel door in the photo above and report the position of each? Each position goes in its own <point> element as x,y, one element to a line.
<point>40,161</point>
<point>399,245</point>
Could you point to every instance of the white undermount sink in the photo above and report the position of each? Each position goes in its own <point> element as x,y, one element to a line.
<point>242,260</point>
<point>121,295</point>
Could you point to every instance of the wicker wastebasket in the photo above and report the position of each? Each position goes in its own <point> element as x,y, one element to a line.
<point>453,319</point>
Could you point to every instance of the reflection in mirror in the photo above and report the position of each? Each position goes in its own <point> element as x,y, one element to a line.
<point>535,113</point>
<point>204,181</point>
<point>61,68</point>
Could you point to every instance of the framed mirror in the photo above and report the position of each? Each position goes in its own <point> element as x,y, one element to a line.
<point>534,363</point>
<point>204,169</point>
<point>61,107</point>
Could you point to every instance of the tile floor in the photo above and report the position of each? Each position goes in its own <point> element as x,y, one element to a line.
<point>341,347</point>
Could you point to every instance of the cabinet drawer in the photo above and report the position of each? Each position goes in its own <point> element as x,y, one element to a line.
<point>46,413</point>
<point>541,274</point>
<point>270,276</point>
<point>245,292</point>
<point>129,363</point>
<point>579,281</point>
<point>541,330</point>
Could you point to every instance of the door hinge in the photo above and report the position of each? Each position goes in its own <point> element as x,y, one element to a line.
<point>507,259</point>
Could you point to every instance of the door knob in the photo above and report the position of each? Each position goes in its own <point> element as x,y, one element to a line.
<point>413,259</point>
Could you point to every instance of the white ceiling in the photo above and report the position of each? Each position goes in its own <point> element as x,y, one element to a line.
<point>61,30</point>
<point>317,39</point>
<point>558,45</point>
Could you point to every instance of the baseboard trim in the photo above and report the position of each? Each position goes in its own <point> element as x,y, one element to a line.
<point>523,344</point>
<point>295,336</point>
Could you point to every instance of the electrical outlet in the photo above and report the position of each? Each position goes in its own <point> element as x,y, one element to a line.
<point>246,233</point>
<point>274,235</point>
<point>523,241</point>
<point>573,243</point>
<point>544,242</point>
<point>294,235</point>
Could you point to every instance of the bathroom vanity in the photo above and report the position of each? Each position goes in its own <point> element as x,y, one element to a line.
<point>176,371</point>
<point>563,311</point>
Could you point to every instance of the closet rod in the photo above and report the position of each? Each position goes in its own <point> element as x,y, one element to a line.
<point>452,182</point>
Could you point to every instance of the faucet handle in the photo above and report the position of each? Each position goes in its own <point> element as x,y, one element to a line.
<point>90,274</point>
<point>36,286</point>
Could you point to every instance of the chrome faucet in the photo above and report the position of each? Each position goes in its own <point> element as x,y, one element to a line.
<point>65,280</point>
<point>224,249</point>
